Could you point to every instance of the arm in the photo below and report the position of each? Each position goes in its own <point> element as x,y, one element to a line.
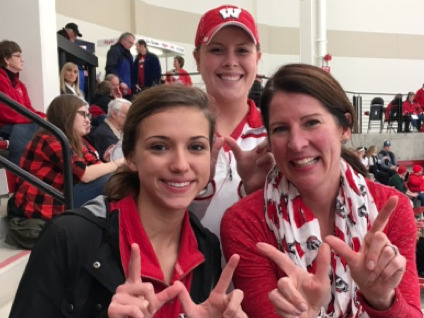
<point>112,60</point>
<point>242,226</point>
<point>92,172</point>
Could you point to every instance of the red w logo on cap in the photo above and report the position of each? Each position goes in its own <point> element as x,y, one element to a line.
<point>230,13</point>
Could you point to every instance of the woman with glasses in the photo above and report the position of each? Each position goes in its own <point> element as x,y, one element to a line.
<point>13,126</point>
<point>43,158</point>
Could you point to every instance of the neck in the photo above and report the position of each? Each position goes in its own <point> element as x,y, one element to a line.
<point>229,115</point>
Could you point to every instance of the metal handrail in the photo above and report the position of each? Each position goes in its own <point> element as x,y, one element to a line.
<point>67,196</point>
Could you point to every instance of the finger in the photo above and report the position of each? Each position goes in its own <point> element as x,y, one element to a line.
<point>286,289</point>
<point>166,295</point>
<point>234,147</point>
<point>341,248</point>
<point>216,147</point>
<point>387,258</point>
<point>227,275</point>
<point>283,306</point>
<point>117,310</point>
<point>278,257</point>
<point>383,216</point>
<point>185,299</point>
<point>375,245</point>
<point>265,160</point>
<point>134,264</point>
<point>233,308</point>
<point>323,262</point>
<point>394,270</point>
<point>263,146</point>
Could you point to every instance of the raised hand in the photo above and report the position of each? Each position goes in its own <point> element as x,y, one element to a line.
<point>253,165</point>
<point>216,146</point>
<point>219,303</point>
<point>299,294</point>
<point>135,299</point>
<point>377,268</point>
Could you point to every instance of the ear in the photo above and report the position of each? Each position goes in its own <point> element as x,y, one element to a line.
<point>347,131</point>
<point>196,58</point>
<point>130,162</point>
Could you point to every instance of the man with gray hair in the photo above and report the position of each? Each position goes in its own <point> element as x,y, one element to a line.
<point>119,61</point>
<point>109,132</point>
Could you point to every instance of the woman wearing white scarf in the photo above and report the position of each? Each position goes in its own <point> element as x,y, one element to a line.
<point>336,249</point>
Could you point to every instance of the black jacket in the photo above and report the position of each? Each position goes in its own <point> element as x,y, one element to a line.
<point>75,267</point>
<point>152,71</point>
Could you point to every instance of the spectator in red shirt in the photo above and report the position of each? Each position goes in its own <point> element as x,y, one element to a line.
<point>419,96</point>
<point>13,126</point>
<point>43,158</point>
<point>178,75</point>
<point>338,244</point>
<point>413,110</point>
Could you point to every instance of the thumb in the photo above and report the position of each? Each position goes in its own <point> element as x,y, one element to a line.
<point>216,147</point>
<point>341,248</point>
<point>323,262</point>
<point>233,146</point>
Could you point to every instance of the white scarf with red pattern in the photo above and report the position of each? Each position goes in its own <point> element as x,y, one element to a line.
<point>298,233</point>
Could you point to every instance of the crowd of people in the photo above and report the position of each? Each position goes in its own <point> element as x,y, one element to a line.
<point>304,231</point>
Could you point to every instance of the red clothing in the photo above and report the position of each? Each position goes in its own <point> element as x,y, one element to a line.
<point>43,158</point>
<point>419,97</point>
<point>189,257</point>
<point>17,91</point>
<point>141,70</point>
<point>178,76</point>
<point>243,225</point>
<point>409,108</point>
<point>416,182</point>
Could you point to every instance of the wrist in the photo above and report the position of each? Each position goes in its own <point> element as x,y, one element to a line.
<point>379,302</point>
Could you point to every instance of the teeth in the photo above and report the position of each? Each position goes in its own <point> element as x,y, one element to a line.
<point>304,162</point>
<point>178,185</point>
<point>230,77</point>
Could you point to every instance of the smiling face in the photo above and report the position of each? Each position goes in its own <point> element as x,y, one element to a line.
<point>228,64</point>
<point>82,123</point>
<point>172,158</point>
<point>306,142</point>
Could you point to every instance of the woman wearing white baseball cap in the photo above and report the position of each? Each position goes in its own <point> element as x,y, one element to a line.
<point>227,53</point>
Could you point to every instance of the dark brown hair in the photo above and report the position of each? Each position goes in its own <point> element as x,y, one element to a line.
<point>61,113</point>
<point>151,101</point>
<point>315,82</point>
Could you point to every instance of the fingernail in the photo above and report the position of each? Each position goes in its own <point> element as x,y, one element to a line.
<point>370,265</point>
<point>303,307</point>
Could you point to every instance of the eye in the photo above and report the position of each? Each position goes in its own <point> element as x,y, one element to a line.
<point>215,50</point>
<point>243,50</point>
<point>198,146</point>
<point>278,129</point>
<point>158,147</point>
<point>312,122</point>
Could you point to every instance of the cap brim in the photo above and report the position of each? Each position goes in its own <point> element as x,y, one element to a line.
<point>225,24</point>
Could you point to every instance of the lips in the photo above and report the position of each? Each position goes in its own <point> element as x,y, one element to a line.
<point>305,162</point>
<point>231,78</point>
<point>178,184</point>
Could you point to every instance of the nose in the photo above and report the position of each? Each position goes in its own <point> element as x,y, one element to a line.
<point>230,59</point>
<point>297,140</point>
<point>180,161</point>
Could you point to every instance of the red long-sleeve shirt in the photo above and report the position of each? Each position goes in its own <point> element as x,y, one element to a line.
<point>243,225</point>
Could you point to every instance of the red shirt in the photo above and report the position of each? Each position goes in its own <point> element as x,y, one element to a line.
<point>43,158</point>
<point>189,257</point>
<point>181,76</point>
<point>17,91</point>
<point>243,225</point>
<point>411,108</point>
<point>141,70</point>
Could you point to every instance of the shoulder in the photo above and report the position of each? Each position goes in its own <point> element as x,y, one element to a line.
<point>203,235</point>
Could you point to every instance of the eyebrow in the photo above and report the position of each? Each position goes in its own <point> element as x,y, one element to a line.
<point>165,138</point>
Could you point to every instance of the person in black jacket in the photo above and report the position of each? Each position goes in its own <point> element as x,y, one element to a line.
<point>131,252</point>
<point>146,69</point>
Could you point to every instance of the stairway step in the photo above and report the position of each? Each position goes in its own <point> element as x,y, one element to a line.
<point>12,265</point>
